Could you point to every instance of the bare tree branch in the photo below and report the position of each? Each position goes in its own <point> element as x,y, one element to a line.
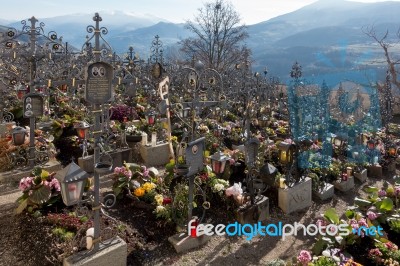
<point>219,37</point>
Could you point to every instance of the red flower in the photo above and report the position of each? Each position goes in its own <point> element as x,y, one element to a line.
<point>166,201</point>
<point>204,176</point>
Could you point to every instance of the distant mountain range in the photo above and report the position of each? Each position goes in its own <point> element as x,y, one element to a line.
<point>326,37</point>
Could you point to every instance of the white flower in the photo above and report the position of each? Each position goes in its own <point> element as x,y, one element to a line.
<point>218,187</point>
<point>160,209</point>
<point>131,129</point>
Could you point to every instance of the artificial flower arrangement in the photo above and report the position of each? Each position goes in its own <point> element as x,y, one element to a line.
<point>163,209</point>
<point>133,130</point>
<point>39,189</point>
<point>132,177</point>
<point>236,192</point>
<point>330,257</point>
<point>385,254</point>
<point>216,185</point>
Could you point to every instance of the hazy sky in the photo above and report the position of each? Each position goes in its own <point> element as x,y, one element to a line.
<point>251,11</point>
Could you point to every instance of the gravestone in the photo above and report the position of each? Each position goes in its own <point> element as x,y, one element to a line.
<point>325,193</point>
<point>375,171</point>
<point>253,213</point>
<point>33,105</point>
<point>99,76</point>
<point>155,155</point>
<point>295,198</point>
<point>361,176</point>
<point>113,253</point>
<point>344,185</point>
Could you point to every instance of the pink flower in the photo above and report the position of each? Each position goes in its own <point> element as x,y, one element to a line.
<point>304,257</point>
<point>146,173</point>
<point>321,222</point>
<point>372,215</point>
<point>314,147</point>
<point>354,224</point>
<point>289,141</point>
<point>381,193</point>
<point>391,246</point>
<point>362,222</point>
<point>128,174</point>
<point>118,170</point>
<point>397,191</point>
<point>55,185</point>
<point>231,161</point>
<point>374,253</point>
<point>25,183</point>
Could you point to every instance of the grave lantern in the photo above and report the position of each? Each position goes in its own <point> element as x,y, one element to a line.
<point>151,117</point>
<point>392,151</point>
<point>184,112</point>
<point>364,139</point>
<point>218,162</point>
<point>285,153</point>
<point>218,131</point>
<point>337,141</point>
<point>18,136</point>
<point>21,91</point>
<point>331,138</point>
<point>82,129</point>
<point>371,144</point>
<point>72,181</point>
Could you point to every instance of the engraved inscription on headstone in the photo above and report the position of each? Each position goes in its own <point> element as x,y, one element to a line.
<point>98,83</point>
<point>33,105</point>
<point>299,196</point>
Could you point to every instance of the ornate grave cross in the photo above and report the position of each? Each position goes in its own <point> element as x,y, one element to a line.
<point>163,89</point>
<point>204,89</point>
<point>28,56</point>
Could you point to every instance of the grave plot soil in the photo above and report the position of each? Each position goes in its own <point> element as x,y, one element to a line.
<point>25,240</point>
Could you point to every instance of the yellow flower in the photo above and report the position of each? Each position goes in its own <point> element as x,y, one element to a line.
<point>159,199</point>
<point>139,192</point>
<point>174,139</point>
<point>148,186</point>
<point>44,174</point>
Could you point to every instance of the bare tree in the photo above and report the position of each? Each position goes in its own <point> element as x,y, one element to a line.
<point>219,36</point>
<point>387,101</point>
<point>385,44</point>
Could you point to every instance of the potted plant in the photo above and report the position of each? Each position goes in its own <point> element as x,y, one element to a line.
<point>360,171</point>
<point>321,189</point>
<point>270,132</point>
<point>133,134</point>
<point>281,132</point>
